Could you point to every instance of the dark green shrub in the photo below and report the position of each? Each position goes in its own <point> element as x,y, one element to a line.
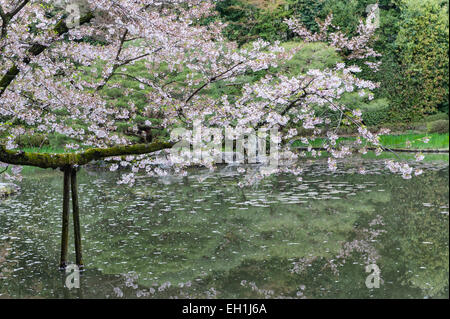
<point>58,140</point>
<point>303,131</point>
<point>419,126</point>
<point>435,117</point>
<point>32,140</point>
<point>347,130</point>
<point>375,117</point>
<point>439,126</point>
<point>123,126</point>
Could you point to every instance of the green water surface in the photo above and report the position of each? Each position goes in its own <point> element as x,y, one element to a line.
<point>201,236</point>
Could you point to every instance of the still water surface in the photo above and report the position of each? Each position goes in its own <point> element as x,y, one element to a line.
<point>202,237</point>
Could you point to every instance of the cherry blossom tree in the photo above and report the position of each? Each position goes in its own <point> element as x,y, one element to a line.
<point>50,79</point>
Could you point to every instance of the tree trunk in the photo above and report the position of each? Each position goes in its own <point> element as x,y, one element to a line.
<point>76,219</point>
<point>65,219</point>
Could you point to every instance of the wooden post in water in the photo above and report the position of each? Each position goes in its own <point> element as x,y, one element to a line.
<point>76,218</point>
<point>65,219</point>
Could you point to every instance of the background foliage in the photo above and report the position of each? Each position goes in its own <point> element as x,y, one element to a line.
<point>413,39</point>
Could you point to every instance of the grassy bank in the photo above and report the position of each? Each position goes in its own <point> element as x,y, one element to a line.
<point>437,141</point>
<point>403,141</point>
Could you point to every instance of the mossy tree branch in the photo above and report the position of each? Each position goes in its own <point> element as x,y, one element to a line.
<point>36,49</point>
<point>46,160</point>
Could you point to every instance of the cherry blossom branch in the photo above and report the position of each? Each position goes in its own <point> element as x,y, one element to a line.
<point>122,41</point>
<point>131,77</point>
<point>211,80</point>
<point>17,9</point>
<point>291,105</point>
<point>358,124</point>
<point>6,168</point>
<point>4,22</point>
<point>36,49</point>
<point>118,65</point>
<point>2,13</point>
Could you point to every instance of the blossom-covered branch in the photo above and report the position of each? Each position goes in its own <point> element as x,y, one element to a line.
<point>55,79</point>
<point>77,159</point>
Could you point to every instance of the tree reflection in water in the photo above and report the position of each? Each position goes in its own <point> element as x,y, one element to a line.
<point>203,237</point>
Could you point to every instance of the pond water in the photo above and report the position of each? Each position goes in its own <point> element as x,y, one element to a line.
<point>201,236</point>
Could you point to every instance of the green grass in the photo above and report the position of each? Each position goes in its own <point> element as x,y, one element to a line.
<point>429,157</point>
<point>370,155</point>
<point>47,149</point>
<point>437,141</point>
